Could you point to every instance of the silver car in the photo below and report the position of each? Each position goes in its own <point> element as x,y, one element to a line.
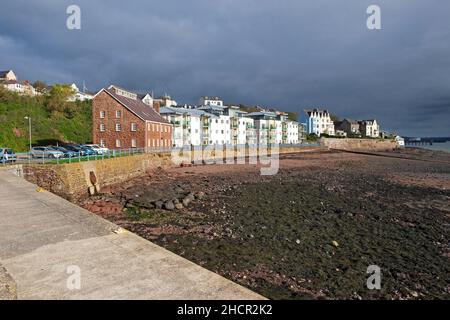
<point>46,152</point>
<point>7,155</point>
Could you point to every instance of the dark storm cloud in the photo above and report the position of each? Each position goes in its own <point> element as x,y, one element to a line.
<point>287,54</point>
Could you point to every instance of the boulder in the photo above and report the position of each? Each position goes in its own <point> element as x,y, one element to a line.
<point>191,196</point>
<point>179,206</point>
<point>158,204</point>
<point>186,201</point>
<point>168,205</point>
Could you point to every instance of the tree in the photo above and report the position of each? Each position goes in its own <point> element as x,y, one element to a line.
<point>58,97</point>
<point>40,86</point>
<point>293,116</point>
<point>312,137</point>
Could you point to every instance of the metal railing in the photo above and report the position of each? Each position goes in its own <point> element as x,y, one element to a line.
<point>25,158</point>
<point>46,158</point>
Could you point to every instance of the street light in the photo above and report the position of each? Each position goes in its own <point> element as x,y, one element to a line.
<point>29,130</point>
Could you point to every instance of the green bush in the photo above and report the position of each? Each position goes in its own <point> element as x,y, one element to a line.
<point>72,123</point>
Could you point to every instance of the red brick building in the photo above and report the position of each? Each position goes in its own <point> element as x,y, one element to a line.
<point>122,121</point>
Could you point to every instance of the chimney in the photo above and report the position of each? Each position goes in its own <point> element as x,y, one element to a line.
<point>157,106</point>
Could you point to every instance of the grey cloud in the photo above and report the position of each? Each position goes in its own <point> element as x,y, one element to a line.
<point>289,54</point>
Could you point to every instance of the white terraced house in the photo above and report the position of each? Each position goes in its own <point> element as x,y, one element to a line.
<point>266,125</point>
<point>220,127</point>
<point>9,80</point>
<point>215,124</point>
<point>211,101</point>
<point>319,122</point>
<point>190,126</point>
<point>242,127</point>
<point>290,132</point>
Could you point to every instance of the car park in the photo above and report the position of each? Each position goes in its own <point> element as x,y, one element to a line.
<point>7,155</point>
<point>46,152</point>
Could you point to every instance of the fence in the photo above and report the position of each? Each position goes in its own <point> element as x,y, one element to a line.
<point>115,153</point>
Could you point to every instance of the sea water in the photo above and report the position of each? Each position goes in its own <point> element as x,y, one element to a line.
<point>438,146</point>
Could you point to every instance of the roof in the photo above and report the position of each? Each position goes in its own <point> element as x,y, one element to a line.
<point>350,121</point>
<point>262,113</point>
<point>4,73</point>
<point>316,110</point>
<point>191,112</point>
<point>214,108</point>
<point>23,82</point>
<point>367,121</point>
<point>139,108</point>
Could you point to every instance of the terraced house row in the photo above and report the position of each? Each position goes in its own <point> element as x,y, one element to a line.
<point>123,119</point>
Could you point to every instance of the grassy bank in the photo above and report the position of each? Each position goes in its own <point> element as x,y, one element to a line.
<point>72,124</point>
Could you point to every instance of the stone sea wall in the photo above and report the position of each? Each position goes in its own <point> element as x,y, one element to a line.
<point>74,181</point>
<point>366,145</point>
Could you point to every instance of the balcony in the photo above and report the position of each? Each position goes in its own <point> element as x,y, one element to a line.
<point>186,124</point>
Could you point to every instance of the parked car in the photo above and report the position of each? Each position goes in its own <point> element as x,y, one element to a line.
<point>7,155</point>
<point>88,151</point>
<point>98,149</point>
<point>78,150</point>
<point>67,153</point>
<point>46,152</point>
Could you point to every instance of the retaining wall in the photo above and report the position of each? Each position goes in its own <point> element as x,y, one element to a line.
<point>72,181</point>
<point>359,144</point>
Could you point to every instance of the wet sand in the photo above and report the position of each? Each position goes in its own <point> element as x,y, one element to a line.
<point>309,232</point>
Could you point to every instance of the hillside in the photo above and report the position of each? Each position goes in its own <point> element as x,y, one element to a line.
<point>69,122</point>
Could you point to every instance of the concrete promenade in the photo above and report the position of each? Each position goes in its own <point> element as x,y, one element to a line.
<point>42,237</point>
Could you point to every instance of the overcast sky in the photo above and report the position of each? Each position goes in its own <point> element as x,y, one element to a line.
<point>286,54</point>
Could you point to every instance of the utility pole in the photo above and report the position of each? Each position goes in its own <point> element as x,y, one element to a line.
<point>29,132</point>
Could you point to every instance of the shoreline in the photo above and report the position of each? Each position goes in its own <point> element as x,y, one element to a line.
<point>275,234</point>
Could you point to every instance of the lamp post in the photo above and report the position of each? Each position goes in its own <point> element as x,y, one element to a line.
<point>29,131</point>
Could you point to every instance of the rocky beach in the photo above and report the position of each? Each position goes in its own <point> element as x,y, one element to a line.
<point>308,232</point>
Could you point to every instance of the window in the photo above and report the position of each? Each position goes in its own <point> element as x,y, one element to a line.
<point>118,143</point>
<point>157,128</point>
<point>102,127</point>
<point>102,114</point>
<point>133,126</point>
<point>118,114</point>
<point>102,143</point>
<point>133,143</point>
<point>118,127</point>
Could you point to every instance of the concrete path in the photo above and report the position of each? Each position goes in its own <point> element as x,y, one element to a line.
<point>43,237</point>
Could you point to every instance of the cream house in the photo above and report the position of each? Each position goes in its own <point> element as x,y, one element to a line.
<point>369,128</point>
